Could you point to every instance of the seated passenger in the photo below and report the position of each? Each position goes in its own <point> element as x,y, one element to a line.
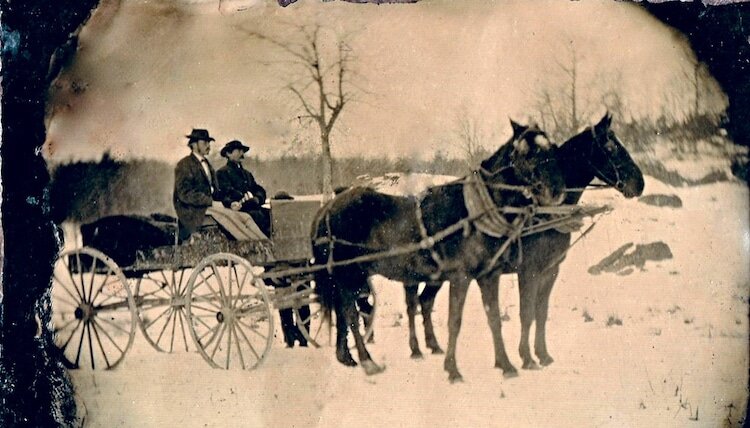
<point>195,184</point>
<point>239,189</point>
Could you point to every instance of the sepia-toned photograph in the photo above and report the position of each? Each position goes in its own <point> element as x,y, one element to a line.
<point>431,213</point>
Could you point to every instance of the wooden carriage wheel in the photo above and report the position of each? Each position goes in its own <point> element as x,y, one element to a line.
<point>160,297</point>
<point>322,333</point>
<point>92,310</point>
<point>229,312</point>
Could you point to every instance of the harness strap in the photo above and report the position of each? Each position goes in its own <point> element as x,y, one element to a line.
<point>426,238</point>
<point>479,204</point>
<point>513,236</point>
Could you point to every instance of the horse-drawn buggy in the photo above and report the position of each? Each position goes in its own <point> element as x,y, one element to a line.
<point>212,293</point>
<point>504,217</point>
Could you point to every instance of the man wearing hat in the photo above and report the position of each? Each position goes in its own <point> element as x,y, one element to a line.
<point>240,191</point>
<point>195,185</point>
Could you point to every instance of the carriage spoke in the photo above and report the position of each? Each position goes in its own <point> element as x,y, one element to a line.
<point>237,344</point>
<point>210,288</point>
<point>174,326</point>
<point>65,288</point>
<point>61,299</point>
<point>104,282</point>
<point>252,348</point>
<point>220,284</point>
<point>114,325</point>
<point>218,341</point>
<point>72,281</point>
<point>80,345</point>
<point>72,333</point>
<point>157,318</point>
<point>169,286</point>
<point>242,285</point>
<point>230,269</point>
<point>80,275</point>
<point>254,330</point>
<point>182,328</point>
<point>229,342</point>
<point>166,323</point>
<point>109,337</point>
<point>210,330</point>
<point>212,311</point>
<point>60,329</point>
<point>91,348</point>
<point>93,276</point>
<point>109,297</point>
<point>180,290</point>
<point>198,284</point>
<point>99,341</point>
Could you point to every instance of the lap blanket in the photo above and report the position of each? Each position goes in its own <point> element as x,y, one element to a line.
<point>240,225</point>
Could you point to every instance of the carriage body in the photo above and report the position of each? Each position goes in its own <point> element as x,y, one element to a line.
<point>140,244</point>
<point>131,273</point>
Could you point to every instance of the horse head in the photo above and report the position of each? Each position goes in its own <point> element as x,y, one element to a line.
<point>611,162</point>
<point>529,160</point>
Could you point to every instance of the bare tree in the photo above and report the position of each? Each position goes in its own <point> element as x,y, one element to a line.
<point>471,138</point>
<point>558,102</point>
<point>570,69</point>
<point>319,80</point>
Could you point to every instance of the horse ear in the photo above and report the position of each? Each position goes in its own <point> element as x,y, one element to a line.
<point>604,123</point>
<point>521,146</point>
<point>517,128</point>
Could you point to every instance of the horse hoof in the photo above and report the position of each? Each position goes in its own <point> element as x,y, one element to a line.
<point>437,351</point>
<point>510,374</point>
<point>455,378</point>
<point>546,360</point>
<point>371,368</point>
<point>531,365</point>
<point>349,362</point>
<point>417,355</point>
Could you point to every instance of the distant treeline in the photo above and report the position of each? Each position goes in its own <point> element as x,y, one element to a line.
<point>84,191</point>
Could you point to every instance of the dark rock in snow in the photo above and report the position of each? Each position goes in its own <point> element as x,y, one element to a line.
<point>621,262</point>
<point>660,200</point>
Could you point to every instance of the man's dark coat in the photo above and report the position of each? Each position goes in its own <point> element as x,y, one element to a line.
<point>234,181</point>
<point>192,193</point>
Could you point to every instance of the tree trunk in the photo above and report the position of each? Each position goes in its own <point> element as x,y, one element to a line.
<point>327,159</point>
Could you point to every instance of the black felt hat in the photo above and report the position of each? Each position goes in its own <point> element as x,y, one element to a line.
<point>234,145</point>
<point>199,134</point>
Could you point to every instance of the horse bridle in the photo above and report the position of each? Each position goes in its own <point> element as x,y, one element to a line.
<point>617,183</point>
<point>487,175</point>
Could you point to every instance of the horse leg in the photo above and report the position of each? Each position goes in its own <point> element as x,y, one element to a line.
<point>459,285</point>
<point>342,345</point>
<point>366,309</point>
<point>542,304</point>
<point>427,301</point>
<point>288,327</point>
<point>489,287</point>
<point>412,301</point>
<point>352,320</point>
<point>304,313</point>
<point>527,289</point>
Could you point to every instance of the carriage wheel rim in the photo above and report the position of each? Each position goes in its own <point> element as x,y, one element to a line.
<point>161,310</point>
<point>246,320</point>
<point>97,304</point>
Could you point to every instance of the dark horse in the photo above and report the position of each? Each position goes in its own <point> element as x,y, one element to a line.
<point>361,221</point>
<point>595,152</point>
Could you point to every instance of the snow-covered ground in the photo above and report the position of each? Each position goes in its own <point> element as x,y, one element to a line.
<point>680,357</point>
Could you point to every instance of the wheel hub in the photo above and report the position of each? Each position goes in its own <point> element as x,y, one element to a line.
<point>85,311</point>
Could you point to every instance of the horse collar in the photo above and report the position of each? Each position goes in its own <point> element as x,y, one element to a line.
<point>483,209</point>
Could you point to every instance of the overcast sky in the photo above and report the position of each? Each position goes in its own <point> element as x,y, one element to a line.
<point>146,72</point>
